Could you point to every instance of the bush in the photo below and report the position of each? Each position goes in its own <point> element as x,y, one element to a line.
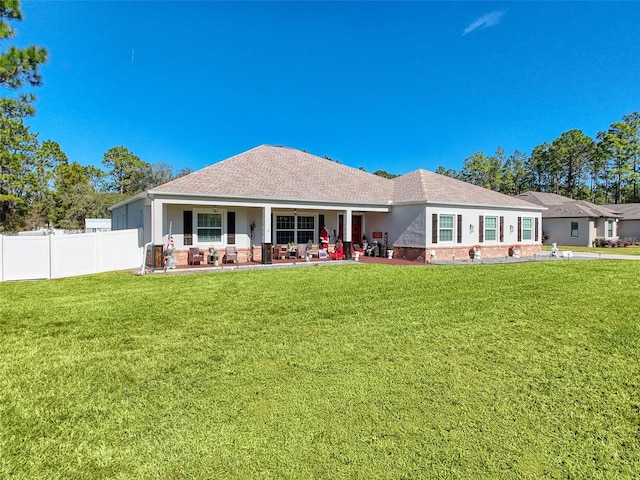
<point>614,243</point>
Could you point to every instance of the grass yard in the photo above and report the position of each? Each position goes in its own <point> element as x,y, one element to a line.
<point>334,372</point>
<point>630,250</point>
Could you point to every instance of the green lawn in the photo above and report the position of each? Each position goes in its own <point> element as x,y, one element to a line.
<point>357,371</point>
<point>630,250</point>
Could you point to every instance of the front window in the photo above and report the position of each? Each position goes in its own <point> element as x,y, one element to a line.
<point>209,228</point>
<point>305,229</point>
<point>527,228</point>
<point>574,229</point>
<point>490,228</point>
<point>288,229</point>
<point>446,228</point>
<point>610,229</point>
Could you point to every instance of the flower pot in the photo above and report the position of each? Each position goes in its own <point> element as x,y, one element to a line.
<point>389,254</point>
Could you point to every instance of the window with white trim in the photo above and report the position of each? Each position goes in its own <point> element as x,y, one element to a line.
<point>610,225</point>
<point>209,227</point>
<point>490,228</point>
<point>290,228</point>
<point>527,228</point>
<point>445,228</point>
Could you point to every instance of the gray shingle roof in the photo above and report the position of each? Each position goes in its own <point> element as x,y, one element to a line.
<point>425,186</point>
<point>564,207</point>
<point>268,172</point>
<point>628,211</point>
<point>544,199</point>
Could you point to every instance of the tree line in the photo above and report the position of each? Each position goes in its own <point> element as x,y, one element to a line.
<point>601,170</point>
<point>38,184</point>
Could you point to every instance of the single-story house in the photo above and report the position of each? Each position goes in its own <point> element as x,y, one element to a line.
<point>629,224</point>
<point>92,225</point>
<point>272,195</point>
<point>574,222</point>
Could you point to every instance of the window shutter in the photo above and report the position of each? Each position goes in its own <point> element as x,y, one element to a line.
<point>519,229</point>
<point>459,228</point>
<point>187,227</point>
<point>480,229</point>
<point>537,238</point>
<point>501,229</point>
<point>231,228</point>
<point>434,228</point>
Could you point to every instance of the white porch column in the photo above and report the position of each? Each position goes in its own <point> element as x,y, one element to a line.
<point>157,224</point>
<point>348,219</point>
<point>266,224</point>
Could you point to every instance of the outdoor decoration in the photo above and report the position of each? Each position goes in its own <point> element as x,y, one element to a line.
<point>169,253</point>
<point>307,251</point>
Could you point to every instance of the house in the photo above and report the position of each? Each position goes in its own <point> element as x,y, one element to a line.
<point>629,224</point>
<point>271,195</point>
<point>92,225</point>
<point>574,222</point>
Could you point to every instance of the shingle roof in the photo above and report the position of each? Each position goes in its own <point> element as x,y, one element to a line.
<point>628,211</point>
<point>422,185</point>
<point>283,173</point>
<point>564,207</point>
<point>544,199</point>
<point>268,172</point>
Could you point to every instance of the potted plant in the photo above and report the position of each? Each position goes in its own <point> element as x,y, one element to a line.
<point>390,251</point>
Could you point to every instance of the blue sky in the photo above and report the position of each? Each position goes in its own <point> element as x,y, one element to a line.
<point>381,85</point>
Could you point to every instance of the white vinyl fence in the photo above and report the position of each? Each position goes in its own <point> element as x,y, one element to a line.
<point>58,256</point>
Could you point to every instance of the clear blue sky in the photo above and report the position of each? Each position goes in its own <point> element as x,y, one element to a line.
<point>386,85</point>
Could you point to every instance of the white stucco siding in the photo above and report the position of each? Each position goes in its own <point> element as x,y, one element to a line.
<point>560,230</point>
<point>473,233</point>
<point>407,226</point>
<point>629,229</point>
<point>174,215</point>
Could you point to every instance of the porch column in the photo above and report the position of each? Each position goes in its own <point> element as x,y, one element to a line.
<point>347,240</point>
<point>266,235</point>
<point>157,224</point>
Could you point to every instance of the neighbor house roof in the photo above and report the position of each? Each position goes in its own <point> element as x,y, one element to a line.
<point>628,211</point>
<point>268,172</point>
<point>564,207</point>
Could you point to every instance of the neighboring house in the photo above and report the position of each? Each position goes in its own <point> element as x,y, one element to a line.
<point>275,195</point>
<point>92,225</point>
<point>629,224</point>
<point>574,222</point>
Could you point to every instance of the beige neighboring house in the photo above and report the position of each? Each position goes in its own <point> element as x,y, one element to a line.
<point>629,224</point>
<point>574,222</point>
<point>271,195</point>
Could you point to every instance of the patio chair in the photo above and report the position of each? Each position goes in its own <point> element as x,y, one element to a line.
<point>230,254</point>
<point>195,256</point>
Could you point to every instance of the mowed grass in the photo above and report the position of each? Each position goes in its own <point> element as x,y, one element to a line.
<point>630,250</point>
<point>333,372</point>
